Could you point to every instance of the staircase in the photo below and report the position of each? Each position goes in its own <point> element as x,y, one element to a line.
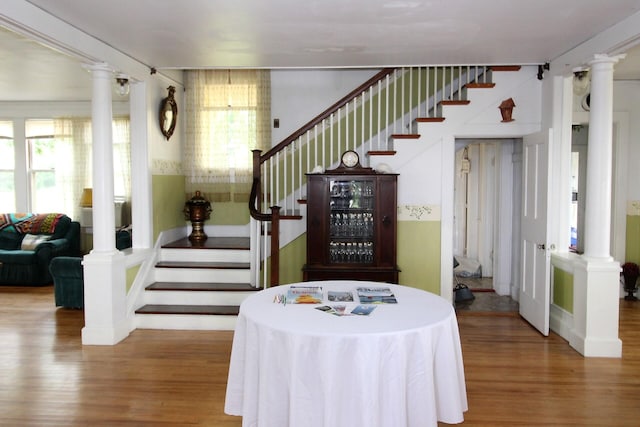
<point>201,287</point>
<point>197,287</point>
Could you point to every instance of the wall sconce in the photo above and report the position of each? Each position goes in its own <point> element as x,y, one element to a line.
<point>122,86</point>
<point>581,81</point>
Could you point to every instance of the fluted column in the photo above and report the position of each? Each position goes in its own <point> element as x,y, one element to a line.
<point>102,161</point>
<point>597,227</point>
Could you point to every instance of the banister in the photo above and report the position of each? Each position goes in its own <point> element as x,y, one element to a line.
<point>326,113</point>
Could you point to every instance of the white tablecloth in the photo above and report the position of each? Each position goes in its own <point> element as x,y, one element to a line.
<point>297,366</point>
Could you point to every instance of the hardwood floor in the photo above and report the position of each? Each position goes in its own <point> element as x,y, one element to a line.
<point>175,378</point>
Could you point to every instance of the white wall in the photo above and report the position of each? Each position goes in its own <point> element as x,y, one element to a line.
<point>299,95</point>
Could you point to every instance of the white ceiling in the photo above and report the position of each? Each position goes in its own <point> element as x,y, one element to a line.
<point>170,34</point>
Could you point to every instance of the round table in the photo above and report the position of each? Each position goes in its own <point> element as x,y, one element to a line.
<point>293,365</point>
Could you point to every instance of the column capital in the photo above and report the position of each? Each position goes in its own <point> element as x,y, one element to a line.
<point>601,58</point>
<point>98,66</point>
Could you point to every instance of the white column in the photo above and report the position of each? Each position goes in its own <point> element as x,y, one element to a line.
<point>141,200</point>
<point>104,268</point>
<point>102,136</point>
<point>596,275</point>
<point>597,228</point>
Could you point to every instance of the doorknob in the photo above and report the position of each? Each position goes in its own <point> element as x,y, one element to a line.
<point>541,246</point>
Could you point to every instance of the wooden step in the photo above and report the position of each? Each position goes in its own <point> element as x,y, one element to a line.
<point>241,243</point>
<point>430,119</point>
<point>480,85</point>
<point>204,265</point>
<point>455,102</point>
<point>224,310</point>
<point>381,153</point>
<point>505,68</point>
<point>405,136</point>
<point>196,286</point>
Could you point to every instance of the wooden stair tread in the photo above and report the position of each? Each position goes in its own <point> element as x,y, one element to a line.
<point>228,310</point>
<point>480,85</point>
<point>200,286</point>
<point>505,68</point>
<point>405,136</point>
<point>202,264</point>
<point>455,102</point>
<point>430,119</point>
<point>381,153</point>
<point>242,243</point>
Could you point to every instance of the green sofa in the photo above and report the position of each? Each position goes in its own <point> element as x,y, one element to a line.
<point>28,243</point>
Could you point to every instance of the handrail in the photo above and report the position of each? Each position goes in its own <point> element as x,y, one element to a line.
<point>326,113</point>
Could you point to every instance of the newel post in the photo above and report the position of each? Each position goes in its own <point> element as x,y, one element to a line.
<point>275,246</point>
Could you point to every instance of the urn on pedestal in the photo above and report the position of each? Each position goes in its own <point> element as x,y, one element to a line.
<point>197,210</point>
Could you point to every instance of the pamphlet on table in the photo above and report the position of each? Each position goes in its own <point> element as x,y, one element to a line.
<point>376,295</point>
<point>304,295</point>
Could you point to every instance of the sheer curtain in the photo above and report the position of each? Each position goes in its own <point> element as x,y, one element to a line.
<point>228,114</point>
<point>73,153</point>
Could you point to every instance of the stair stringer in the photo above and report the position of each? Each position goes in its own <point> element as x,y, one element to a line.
<point>145,276</point>
<point>479,119</point>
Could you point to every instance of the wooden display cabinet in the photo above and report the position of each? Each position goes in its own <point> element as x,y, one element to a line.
<point>351,225</point>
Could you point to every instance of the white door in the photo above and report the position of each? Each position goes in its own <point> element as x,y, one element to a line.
<point>535,283</point>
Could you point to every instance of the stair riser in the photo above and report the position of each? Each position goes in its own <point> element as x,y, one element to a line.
<point>202,255</point>
<point>186,322</point>
<point>202,275</point>
<point>195,297</point>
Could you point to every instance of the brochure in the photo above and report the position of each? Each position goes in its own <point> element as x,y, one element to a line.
<point>376,295</point>
<point>340,296</point>
<point>363,310</point>
<point>304,295</point>
<point>337,310</point>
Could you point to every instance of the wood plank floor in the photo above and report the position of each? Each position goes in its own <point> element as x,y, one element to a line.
<point>177,378</point>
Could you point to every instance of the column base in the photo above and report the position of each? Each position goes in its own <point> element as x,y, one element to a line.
<point>596,347</point>
<point>596,306</point>
<point>104,336</point>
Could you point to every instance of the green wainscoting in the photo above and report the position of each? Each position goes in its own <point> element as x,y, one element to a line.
<point>168,203</point>
<point>419,254</point>
<point>632,247</point>
<point>229,213</point>
<point>131,274</point>
<point>292,259</point>
<point>563,289</point>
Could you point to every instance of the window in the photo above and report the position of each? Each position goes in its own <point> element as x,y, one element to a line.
<point>54,164</point>
<point>7,168</point>
<point>228,115</point>
<point>42,166</point>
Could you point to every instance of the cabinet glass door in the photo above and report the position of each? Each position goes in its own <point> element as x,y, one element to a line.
<point>351,222</point>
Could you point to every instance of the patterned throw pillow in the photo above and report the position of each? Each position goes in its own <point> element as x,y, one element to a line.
<point>30,241</point>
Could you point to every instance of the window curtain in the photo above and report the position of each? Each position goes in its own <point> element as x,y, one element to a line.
<point>228,114</point>
<point>73,152</point>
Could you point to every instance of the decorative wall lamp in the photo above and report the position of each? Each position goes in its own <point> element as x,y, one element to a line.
<point>197,210</point>
<point>122,85</point>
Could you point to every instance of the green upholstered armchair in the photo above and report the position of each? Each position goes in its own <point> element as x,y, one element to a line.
<point>68,275</point>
